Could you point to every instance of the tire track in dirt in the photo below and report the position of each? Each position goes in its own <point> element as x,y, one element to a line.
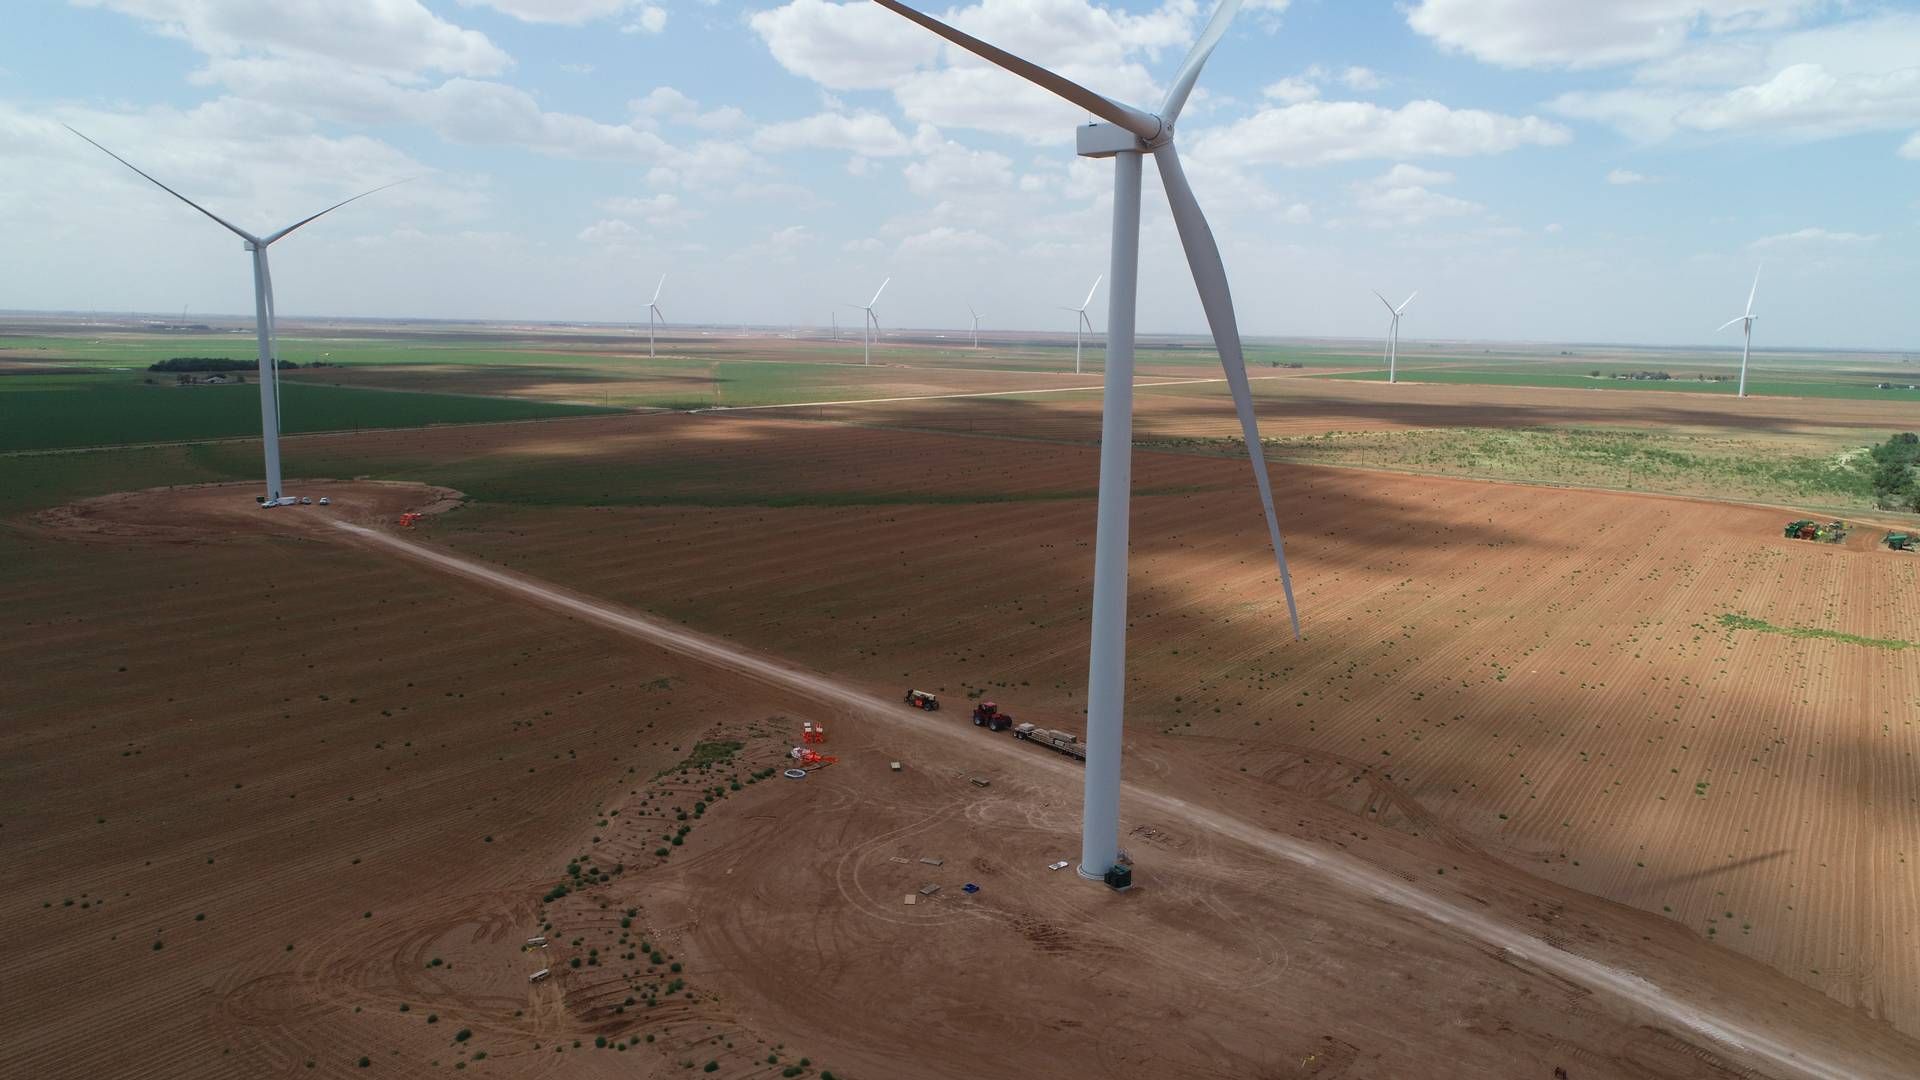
<point>1803,1053</point>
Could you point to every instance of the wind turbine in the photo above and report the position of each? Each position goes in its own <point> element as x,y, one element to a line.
<point>1082,323</point>
<point>1393,333</point>
<point>1127,136</point>
<point>653,309</point>
<point>871,324</point>
<point>263,316</point>
<point>976,325</point>
<point>1747,329</point>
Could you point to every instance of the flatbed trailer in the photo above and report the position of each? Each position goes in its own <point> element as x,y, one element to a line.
<point>1064,741</point>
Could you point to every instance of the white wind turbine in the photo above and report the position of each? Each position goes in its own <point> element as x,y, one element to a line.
<point>1747,329</point>
<point>1393,333</point>
<point>263,317</point>
<point>871,325</point>
<point>1081,322</point>
<point>976,325</point>
<point>1126,137</point>
<point>653,311</point>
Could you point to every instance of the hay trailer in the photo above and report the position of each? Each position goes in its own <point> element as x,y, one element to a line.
<point>1064,741</point>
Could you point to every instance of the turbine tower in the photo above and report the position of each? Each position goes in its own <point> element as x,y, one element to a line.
<point>1126,137</point>
<point>653,310</point>
<point>976,325</point>
<point>1746,328</point>
<point>871,324</point>
<point>1081,322</point>
<point>263,317</point>
<point>1393,333</point>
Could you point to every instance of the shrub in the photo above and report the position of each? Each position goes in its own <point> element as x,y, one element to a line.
<point>462,1035</point>
<point>365,1061</point>
<point>711,1066</point>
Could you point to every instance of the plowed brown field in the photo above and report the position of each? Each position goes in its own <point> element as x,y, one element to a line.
<point>1540,672</point>
<point>1517,700</point>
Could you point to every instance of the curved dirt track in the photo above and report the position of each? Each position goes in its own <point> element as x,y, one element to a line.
<point>1743,1030</point>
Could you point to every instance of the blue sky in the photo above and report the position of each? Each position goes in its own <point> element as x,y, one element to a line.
<point>1554,170</point>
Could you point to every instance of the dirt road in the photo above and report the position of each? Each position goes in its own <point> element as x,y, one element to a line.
<point>1744,1031</point>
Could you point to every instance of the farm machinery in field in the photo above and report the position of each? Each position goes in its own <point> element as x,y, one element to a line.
<point>1900,541</point>
<point>988,715</point>
<point>1831,532</point>
<point>920,699</point>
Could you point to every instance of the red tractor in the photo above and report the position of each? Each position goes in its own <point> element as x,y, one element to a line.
<point>988,715</point>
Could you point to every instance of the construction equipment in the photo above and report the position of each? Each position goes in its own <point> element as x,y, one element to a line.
<point>988,715</point>
<point>1900,541</point>
<point>1064,741</point>
<point>920,699</point>
<point>409,519</point>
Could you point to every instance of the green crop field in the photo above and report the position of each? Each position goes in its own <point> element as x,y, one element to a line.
<point>1854,385</point>
<point>55,412</point>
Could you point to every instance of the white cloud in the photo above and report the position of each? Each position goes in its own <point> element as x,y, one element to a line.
<point>1839,79</point>
<point>1292,90</point>
<point>610,231</point>
<point>1359,78</point>
<point>865,133</point>
<point>1911,148</point>
<point>1625,176</point>
<point>947,240</point>
<point>1298,214</point>
<point>1582,34</point>
<point>666,104</point>
<point>860,45</point>
<point>573,12</point>
<point>1316,132</point>
<point>392,36</point>
<point>649,19</point>
<point>1404,195</point>
<point>952,169</point>
<point>1812,239</point>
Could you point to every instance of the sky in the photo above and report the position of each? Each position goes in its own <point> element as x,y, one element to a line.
<point>1540,170</point>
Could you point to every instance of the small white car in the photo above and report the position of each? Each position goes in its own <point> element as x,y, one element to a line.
<point>324,501</point>
<point>306,500</point>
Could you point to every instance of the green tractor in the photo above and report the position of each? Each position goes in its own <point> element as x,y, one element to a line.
<point>1804,529</point>
<point>1900,541</point>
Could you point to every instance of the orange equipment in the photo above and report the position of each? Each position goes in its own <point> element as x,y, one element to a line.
<point>409,519</point>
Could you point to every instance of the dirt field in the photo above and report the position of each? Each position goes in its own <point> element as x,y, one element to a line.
<point>1538,672</point>
<point>1518,703</point>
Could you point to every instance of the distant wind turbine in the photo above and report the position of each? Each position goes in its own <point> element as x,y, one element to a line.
<point>871,325</point>
<point>653,310</point>
<point>1128,136</point>
<point>976,325</point>
<point>1746,346</point>
<point>1393,334</point>
<point>1081,322</point>
<point>263,316</point>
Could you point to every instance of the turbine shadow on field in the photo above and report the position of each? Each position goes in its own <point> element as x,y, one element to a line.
<point>1714,871</point>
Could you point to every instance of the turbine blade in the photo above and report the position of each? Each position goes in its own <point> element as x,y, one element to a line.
<point>1387,302</point>
<point>1147,127</point>
<point>1196,59</point>
<point>1754,291</point>
<point>1210,277</point>
<point>1409,300</point>
<point>877,292</point>
<point>657,288</point>
<point>1090,292</point>
<point>230,226</point>
<point>655,308</point>
<point>1729,322</point>
<point>270,238</point>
